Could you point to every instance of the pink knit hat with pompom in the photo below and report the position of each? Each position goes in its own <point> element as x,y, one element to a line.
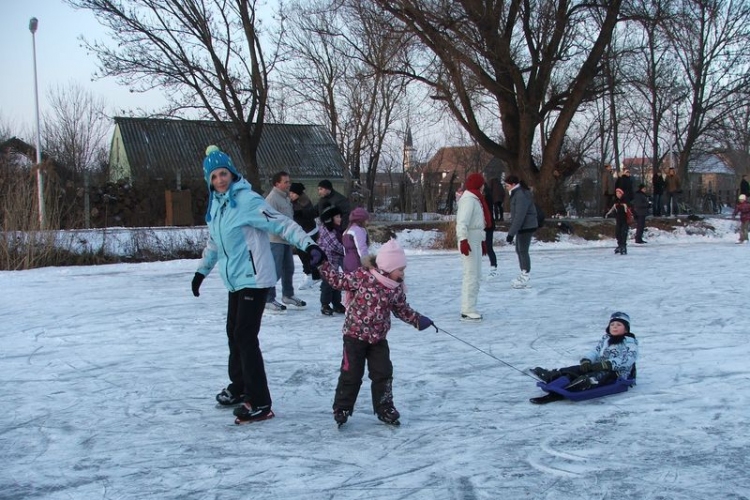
<point>390,257</point>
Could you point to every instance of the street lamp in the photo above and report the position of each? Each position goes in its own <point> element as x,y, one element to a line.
<point>33,24</point>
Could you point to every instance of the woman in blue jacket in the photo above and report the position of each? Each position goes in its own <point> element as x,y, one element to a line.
<point>239,220</point>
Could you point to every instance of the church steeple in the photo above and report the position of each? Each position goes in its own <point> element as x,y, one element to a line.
<point>408,150</point>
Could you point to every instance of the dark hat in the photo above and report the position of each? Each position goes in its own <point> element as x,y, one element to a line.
<point>622,318</point>
<point>297,188</point>
<point>329,213</point>
<point>326,184</point>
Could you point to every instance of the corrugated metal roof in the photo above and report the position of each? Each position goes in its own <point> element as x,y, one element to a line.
<point>158,147</point>
<point>709,164</point>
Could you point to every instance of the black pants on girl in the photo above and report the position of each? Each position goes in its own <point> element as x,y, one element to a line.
<point>246,370</point>
<point>379,366</point>
<point>621,232</point>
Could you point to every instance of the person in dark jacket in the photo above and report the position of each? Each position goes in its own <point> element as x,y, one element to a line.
<point>304,215</point>
<point>640,212</point>
<point>673,188</point>
<point>620,211</point>
<point>744,186</point>
<point>523,223</point>
<point>625,182</point>
<point>330,197</point>
<point>658,182</point>
<point>498,198</point>
<point>490,233</point>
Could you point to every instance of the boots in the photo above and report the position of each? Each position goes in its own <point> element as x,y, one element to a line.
<point>546,376</point>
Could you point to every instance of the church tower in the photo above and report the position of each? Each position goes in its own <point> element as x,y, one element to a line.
<point>408,151</point>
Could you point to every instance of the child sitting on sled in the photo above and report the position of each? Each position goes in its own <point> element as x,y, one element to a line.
<point>612,359</point>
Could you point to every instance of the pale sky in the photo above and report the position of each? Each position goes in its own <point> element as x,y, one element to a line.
<point>60,60</point>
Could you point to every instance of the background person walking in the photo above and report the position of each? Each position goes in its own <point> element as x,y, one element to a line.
<point>523,223</point>
<point>278,198</point>
<point>472,218</point>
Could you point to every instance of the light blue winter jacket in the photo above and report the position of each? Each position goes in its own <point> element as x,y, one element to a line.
<point>622,356</point>
<point>238,238</point>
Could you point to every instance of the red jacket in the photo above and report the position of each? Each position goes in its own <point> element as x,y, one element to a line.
<point>743,208</point>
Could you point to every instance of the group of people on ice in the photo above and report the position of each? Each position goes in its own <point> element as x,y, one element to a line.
<point>240,222</point>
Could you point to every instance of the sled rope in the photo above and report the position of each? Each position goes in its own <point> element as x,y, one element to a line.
<point>485,352</point>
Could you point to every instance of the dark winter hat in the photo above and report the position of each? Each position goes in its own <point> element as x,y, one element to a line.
<point>622,318</point>
<point>297,188</point>
<point>475,181</point>
<point>325,184</point>
<point>512,179</point>
<point>329,213</point>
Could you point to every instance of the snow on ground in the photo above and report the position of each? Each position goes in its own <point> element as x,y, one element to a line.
<point>109,375</point>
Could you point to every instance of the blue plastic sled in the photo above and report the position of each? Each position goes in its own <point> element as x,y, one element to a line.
<point>558,386</point>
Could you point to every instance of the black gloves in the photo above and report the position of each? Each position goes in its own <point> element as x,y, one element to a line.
<point>317,255</point>
<point>509,238</point>
<point>587,366</point>
<point>197,280</point>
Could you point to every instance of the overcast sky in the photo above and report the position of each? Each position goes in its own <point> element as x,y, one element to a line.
<point>60,60</point>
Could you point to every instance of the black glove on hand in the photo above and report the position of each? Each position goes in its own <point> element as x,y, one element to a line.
<point>317,255</point>
<point>585,365</point>
<point>197,280</point>
<point>509,238</point>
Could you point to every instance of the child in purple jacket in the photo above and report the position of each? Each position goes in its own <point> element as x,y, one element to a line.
<point>329,240</point>
<point>356,240</point>
<point>377,289</point>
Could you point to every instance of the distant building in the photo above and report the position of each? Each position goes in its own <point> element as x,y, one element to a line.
<point>173,150</point>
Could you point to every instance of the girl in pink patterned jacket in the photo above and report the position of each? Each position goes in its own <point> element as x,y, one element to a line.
<point>377,289</point>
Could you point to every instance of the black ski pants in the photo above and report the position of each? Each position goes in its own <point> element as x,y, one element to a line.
<point>380,368</point>
<point>246,370</point>
<point>621,233</point>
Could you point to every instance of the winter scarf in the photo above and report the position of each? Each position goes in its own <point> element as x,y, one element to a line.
<point>473,184</point>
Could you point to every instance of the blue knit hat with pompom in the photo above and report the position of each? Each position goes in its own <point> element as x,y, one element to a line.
<point>216,158</point>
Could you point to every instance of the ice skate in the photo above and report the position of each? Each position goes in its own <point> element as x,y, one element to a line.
<point>389,415</point>
<point>247,414</point>
<point>294,302</point>
<point>341,416</point>
<point>226,398</point>
<point>471,316</point>
<point>522,281</point>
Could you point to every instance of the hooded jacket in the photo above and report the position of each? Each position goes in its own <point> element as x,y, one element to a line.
<point>522,212</point>
<point>368,315</point>
<point>240,221</point>
<point>622,355</point>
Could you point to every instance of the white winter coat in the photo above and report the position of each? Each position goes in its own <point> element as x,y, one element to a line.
<point>470,226</point>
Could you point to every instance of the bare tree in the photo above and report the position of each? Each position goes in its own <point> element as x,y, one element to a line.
<point>205,55</point>
<point>5,130</point>
<point>334,70</point>
<point>711,40</point>
<point>76,128</point>
<point>518,62</point>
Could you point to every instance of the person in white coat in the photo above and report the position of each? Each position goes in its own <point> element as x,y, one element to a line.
<point>472,218</point>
